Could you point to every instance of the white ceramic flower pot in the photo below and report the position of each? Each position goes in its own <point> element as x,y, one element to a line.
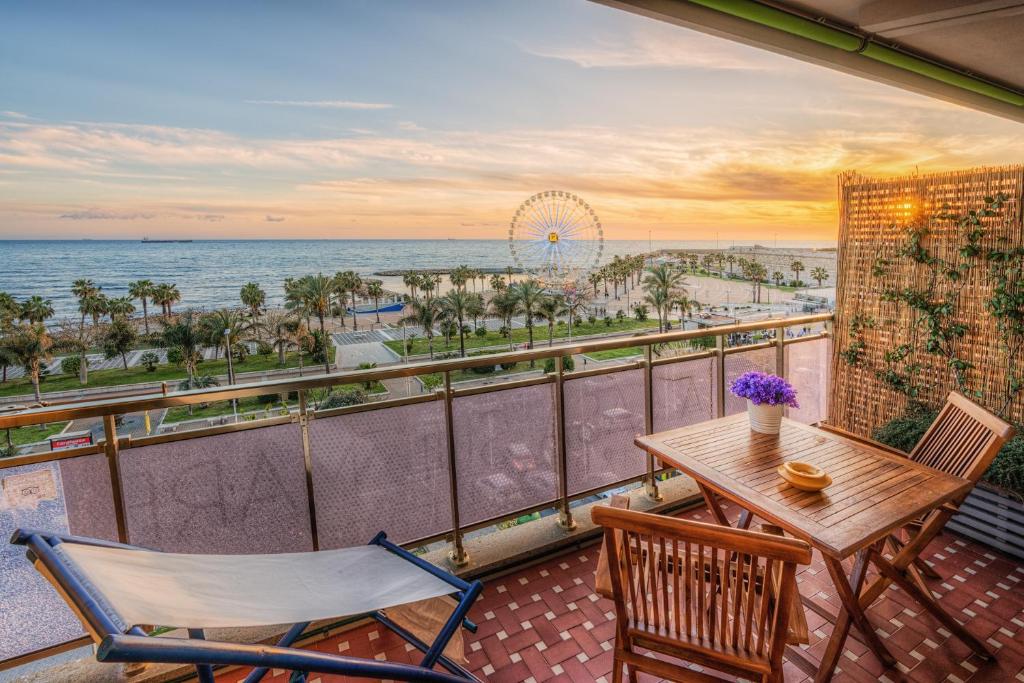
<point>764,418</point>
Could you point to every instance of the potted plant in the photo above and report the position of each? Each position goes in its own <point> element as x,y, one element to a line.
<point>767,397</point>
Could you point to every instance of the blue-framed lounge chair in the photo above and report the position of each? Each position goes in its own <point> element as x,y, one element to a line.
<point>115,588</point>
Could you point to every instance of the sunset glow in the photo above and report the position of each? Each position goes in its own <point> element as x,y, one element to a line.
<point>435,120</point>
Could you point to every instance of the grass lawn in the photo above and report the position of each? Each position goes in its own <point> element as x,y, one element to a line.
<point>245,405</point>
<point>25,435</point>
<point>436,380</point>
<point>163,373</point>
<point>520,336</point>
<point>612,354</point>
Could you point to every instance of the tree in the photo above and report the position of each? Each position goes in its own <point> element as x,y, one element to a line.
<point>411,280</point>
<point>279,328</point>
<point>757,273</point>
<point>118,340</point>
<point>505,305</point>
<point>375,290</point>
<point>253,297</point>
<point>778,276</point>
<point>459,275</point>
<point>314,292</point>
<point>819,274</point>
<point>661,284</point>
<point>498,283</point>
<point>530,294</point>
<point>83,289</point>
<point>35,309</point>
<point>549,309</point>
<point>32,346</point>
<point>730,259</point>
<point>8,353</point>
<point>184,341</point>
<point>797,267</point>
<point>350,282</point>
<point>426,313</point>
<point>225,328</point>
<point>456,304</point>
<point>120,307</point>
<point>142,290</point>
<point>594,279</point>
<point>166,295</point>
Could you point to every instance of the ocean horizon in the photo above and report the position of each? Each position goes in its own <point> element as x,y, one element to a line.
<point>210,272</point>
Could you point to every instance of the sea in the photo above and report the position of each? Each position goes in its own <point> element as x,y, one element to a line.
<point>209,273</point>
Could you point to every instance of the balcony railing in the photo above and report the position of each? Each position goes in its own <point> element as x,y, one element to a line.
<point>424,468</point>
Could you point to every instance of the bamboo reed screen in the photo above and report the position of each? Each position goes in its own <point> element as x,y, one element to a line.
<point>874,219</point>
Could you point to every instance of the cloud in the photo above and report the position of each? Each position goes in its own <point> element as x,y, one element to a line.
<point>324,104</point>
<point>409,125</point>
<point>97,215</point>
<point>13,114</point>
<point>659,47</point>
<point>274,219</point>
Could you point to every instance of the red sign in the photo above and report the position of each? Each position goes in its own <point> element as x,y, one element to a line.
<point>70,440</point>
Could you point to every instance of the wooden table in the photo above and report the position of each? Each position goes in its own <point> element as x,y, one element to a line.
<point>873,493</point>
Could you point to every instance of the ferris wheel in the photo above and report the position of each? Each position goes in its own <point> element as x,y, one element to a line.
<point>555,236</point>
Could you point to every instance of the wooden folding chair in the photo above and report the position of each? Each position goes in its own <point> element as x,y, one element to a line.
<point>694,592</point>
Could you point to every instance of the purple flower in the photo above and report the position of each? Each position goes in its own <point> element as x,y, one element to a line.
<point>760,387</point>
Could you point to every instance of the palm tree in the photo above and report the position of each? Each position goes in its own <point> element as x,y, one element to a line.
<point>757,274</point>
<point>225,328</point>
<point>456,304</point>
<point>350,282</point>
<point>498,283</point>
<point>576,302</point>
<point>375,290</point>
<point>661,284</point>
<point>530,295</point>
<point>411,280</point>
<point>32,346</point>
<point>96,305</point>
<point>315,292</point>
<point>83,289</point>
<point>185,338</point>
<point>36,309</point>
<point>594,279</point>
<point>142,290</point>
<point>819,274</point>
<point>778,276</point>
<point>458,276</point>
<point>120,307</point>
<point>797,267</point>
<point>8,352</point>
<point>253,297</point>
<point>475,308</point>
<point>9,309</point>
<point>166,295</point>
<point>505,305</point>
<point>426,313</point>
<point>730,259</point>
<point>279,327</point>
<point>549,310</point>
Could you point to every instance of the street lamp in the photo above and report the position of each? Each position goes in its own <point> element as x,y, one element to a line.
<point>231,372</point>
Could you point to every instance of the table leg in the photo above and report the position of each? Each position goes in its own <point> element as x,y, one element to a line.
<point>713,506</point>
<point>848,589</point>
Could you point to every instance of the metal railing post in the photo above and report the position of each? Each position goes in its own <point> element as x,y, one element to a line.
<point>720,375</point>
<point>650,485</point>
<point>780,351</point>
<point>111,448</point>
<point>457,555</point>
<point>307,458</point>
<point>565,519</point>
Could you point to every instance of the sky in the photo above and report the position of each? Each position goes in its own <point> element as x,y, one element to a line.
<point>367,119</point>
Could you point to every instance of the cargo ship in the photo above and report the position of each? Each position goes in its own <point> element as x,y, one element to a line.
<point>146,240</point>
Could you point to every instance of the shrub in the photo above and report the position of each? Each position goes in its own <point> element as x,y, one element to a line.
<point>149,360</point>
<point>481,332</point>
<point>505,331</point>
<point>508,366</point>
<point>175,356</point>
<point>568,364</point>
<point>608,321</point>
<point>264,348</point>
<point>640,312</point>
<point>70,365</point>
<point>703,342</point>
<point>592,319</point>
<point>620,314</point>
<point>263,399</point>
<point>431,382</point>
<point>367,385</point>
<point>1006,471</point>
<point>482,369</point>
<point>344,397</point>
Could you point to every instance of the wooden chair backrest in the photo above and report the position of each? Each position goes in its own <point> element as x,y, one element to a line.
<point>963,440</point>
<point>698,583</point>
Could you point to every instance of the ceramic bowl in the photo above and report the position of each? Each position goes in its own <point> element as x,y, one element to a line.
<point>804,476</point>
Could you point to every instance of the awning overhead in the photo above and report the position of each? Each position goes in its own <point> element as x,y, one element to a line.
<point>970,52</point>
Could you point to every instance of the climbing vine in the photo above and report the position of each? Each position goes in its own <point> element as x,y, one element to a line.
<point>935,328</point>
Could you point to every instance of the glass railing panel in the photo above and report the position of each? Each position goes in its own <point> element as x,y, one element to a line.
<point>505,451</point>
<point>761,360</point>
<point>808,368</point>
<point>381,470</point>
<point>236,492</point>
<point>684,393</point>
<point>603,414</point>
<point>39,497</point>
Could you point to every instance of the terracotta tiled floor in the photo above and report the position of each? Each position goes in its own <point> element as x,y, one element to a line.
<point>546,624</point>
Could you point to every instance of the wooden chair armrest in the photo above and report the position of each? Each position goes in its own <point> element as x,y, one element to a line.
<point>861,439</point>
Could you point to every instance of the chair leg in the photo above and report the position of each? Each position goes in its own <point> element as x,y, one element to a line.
<point>631,672</point>
<point>616,670</point>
